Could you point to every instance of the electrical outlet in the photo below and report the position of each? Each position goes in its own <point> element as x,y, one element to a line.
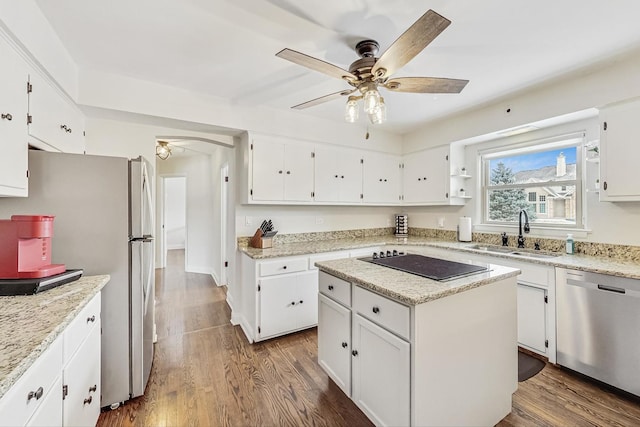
<point>441,222</point>
<point>319,220</point>
<point>248,220</point>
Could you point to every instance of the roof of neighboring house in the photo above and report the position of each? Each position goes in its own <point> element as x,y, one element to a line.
<point>547,174</point>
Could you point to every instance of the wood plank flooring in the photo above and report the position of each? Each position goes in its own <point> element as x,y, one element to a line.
<point>205,373</point>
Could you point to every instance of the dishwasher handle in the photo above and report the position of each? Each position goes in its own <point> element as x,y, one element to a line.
<point>599,287</point>
<point>612,289</point>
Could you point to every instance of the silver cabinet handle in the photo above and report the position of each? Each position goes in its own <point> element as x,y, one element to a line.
<point>35,394</point>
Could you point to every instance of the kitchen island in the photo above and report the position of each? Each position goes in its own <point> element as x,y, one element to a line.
<point>414,351</point>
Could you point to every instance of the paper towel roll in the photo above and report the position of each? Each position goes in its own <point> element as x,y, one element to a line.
<point>464,229</point>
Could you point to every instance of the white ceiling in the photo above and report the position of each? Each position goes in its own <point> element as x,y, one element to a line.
<point>226,48</point>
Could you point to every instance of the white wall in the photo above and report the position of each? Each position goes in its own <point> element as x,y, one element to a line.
<point>607,222</point>
<point>175,218</point>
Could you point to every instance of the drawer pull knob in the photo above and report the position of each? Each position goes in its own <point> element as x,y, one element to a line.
<point>93,388</point>
<point>293,303</point>
<point>88,400</point>
<point>284,267</point>
<point>301,301</point>
<point>344,344</point>
<point>7,116</point>
<point>65,128</point>
<point>91,319</point>
<point>35,394</point>
<point>330,287</point>
<point>354,353</point>
<point>376,309</point>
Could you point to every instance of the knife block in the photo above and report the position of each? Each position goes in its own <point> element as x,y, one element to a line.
<point>257,241</point>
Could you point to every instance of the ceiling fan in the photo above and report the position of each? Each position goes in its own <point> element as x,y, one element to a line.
<point>368,73</point>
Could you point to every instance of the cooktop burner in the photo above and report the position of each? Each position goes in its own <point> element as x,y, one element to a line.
<point>431,268</point>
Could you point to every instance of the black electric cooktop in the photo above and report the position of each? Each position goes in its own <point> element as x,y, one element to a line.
<point>431,268</point>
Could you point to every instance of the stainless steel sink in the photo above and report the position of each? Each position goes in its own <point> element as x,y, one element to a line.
<point>512,251</point>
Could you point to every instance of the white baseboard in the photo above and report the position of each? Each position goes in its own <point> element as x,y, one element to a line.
<point>199,269</point>
<point>178,246</point>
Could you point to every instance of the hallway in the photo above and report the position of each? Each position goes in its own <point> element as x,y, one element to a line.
<point>205,373</point>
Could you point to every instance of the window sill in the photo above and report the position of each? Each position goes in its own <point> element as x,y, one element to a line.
<point>536,231</point>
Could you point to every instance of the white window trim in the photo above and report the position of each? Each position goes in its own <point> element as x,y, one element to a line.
<point>542,230</point>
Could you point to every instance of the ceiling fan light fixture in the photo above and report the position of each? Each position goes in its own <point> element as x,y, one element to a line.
<point>380,115</point>
<point>163,151</point>
<point>371,100</point>
<point>351,111</point>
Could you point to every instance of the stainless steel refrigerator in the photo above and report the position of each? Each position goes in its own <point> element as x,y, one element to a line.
<point>104,225</point>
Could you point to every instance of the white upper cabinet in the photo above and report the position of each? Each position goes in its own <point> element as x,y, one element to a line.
<point>56,123</point>
<point>13,122</point>
<point>381,178</point>
<point>619,152</point>
<point>338,175</point>
<point>282,170</point>
<point>426,176</point>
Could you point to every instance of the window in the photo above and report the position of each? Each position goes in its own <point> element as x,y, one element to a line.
<point>542,179</point>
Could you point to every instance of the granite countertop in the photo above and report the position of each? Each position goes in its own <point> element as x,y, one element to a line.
<point>593,264</point>
<point>30,323</point>
<point>408,288</point>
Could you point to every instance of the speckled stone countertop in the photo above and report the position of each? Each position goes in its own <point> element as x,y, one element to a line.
<point>604,265</point>
<point>30,323</point>
<point>409,288</point>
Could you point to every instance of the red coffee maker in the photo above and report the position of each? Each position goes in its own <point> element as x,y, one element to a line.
<point>25,247</point>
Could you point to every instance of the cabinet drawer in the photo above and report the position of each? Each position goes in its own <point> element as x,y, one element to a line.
<point>336,289</point>
<point>16,407</point>
<point>383,311</point>
<point>80,327</point>
<point>271,268</point>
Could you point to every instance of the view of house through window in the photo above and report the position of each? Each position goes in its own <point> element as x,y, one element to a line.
<point>543,180</point>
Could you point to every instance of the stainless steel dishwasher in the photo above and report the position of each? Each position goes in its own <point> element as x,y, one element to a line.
<point>598,324</point>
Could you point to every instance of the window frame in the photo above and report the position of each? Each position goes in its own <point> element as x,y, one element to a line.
<point>577,140</point>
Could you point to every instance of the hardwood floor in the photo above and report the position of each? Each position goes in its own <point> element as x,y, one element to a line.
<point>205,373</point>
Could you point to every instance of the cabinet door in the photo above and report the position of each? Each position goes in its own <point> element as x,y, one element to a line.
<point>334,342</point>
<point>307,303</point>
<point>426,176</point>
<point>381,373</point>
<point>532,325</point>
<point>13,123</point>
<point>268,170</point>
<point>381,178</point>
<point>619,153</point>
<point>338,175</point>
<point>49,413</point>
<point>55,121</point>
<point>81,377</point>
<point>298,172</point>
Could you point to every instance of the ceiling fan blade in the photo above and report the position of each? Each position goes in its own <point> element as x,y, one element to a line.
<point>426,85</point>
<point>323,99</point>
<point>315,64</point>
<point>410,43</point>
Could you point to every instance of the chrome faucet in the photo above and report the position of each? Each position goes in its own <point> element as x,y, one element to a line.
<point>526,227</point>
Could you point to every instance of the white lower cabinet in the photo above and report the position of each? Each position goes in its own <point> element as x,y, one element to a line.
<point>62,387</point>
<point>381,373</point>
<point>334,342</point>
<point>532,317</point>
<point>49,413</point>
<point>287,303</point>
<point>82,384</point>
<point>367,361</point>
